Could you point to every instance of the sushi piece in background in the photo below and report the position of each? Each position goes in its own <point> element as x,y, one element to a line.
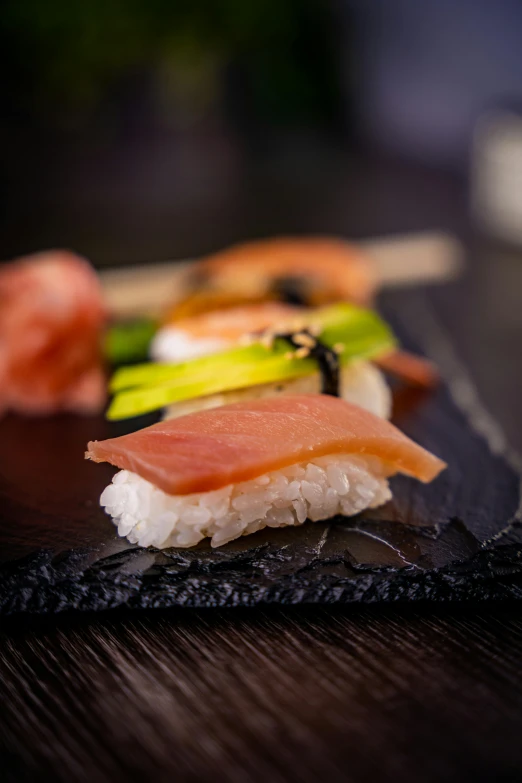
<point>359,382</point>
<point>308,271</point>
<point>215,330</point>
<point>208,333</point>
<point>308,351</point>
<point>52,318</point>
<point>234,470</point>
<point>231,293</point>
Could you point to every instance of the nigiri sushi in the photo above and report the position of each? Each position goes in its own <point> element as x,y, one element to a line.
<point>211,332</point>
<point>306,351</point>
<point>305,271</point>
<point>208,333</point>
<point>309,271</point>
<point>233,470</point>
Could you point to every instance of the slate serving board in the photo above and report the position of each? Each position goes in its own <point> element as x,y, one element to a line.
<point>455,539</point>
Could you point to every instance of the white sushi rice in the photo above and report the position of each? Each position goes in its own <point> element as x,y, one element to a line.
<point>337,484</point>
<point>176,345</point>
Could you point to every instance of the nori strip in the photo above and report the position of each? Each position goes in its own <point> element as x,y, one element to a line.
<point>326,358</point>
<point>291,290</point>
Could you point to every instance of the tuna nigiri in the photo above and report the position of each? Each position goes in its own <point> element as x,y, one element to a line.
<point>51,321</point>
<point>230,471</point>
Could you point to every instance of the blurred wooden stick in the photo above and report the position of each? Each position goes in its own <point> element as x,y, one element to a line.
<point>431,257</point>
<point>400,260</point>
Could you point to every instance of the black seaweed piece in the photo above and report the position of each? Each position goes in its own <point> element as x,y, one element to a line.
<point>291,290</point>
<point>327,361</point>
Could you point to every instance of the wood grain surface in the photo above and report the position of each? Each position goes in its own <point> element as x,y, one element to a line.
<point>271,696</point>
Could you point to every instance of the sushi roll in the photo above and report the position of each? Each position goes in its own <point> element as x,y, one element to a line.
<point>231,471</point>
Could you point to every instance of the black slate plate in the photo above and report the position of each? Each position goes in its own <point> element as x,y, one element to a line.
<point>455,539</point>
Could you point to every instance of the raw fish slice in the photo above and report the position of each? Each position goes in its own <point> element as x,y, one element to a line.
<point>207,333</point>
<point>232,323</point>
<point>213,448</point>
<point>410,368</point>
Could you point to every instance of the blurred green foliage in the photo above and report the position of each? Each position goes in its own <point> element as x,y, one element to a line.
<point>65,56</point>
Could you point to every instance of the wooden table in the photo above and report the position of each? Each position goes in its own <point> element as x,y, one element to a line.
<point>429,693</point>
<point>304,695</point>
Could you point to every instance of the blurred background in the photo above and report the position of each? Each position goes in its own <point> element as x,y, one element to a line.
<point>135,130</point>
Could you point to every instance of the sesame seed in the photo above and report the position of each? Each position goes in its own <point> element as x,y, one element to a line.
<point>339,347</point>
<point>302,353</point>
<point>289,356</point>
<point>267,340</point>
<point>304,339</point>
